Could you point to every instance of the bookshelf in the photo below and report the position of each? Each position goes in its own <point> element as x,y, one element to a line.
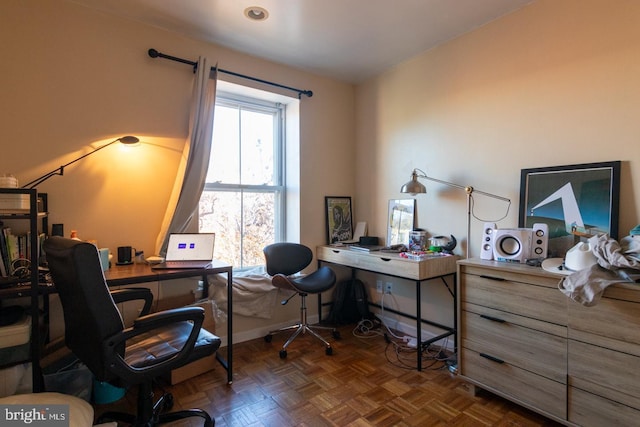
<point>19,205</point>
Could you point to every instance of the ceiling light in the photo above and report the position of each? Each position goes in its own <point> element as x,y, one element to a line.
<point>256,13</point>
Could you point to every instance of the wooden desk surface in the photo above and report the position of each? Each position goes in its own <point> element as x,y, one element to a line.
<point>139,273</point>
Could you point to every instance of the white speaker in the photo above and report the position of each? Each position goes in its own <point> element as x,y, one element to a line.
<point>512,245</point>
<point>540,241</point>
<point>488,231</point>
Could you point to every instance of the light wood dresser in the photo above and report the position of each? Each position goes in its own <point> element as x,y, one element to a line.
<point>521,338</point>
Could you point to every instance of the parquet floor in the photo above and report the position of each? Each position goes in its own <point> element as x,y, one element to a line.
<point>366,382</point>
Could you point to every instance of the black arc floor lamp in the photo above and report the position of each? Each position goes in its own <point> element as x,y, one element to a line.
<point>414,187</point>
<point>127,140</point>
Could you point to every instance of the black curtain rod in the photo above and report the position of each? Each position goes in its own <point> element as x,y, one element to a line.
<point>155,54</point>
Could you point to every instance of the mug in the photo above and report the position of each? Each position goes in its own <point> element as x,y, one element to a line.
<point>125,255</point>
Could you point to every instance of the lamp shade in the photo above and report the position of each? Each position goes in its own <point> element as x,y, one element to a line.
<point>414,186</point>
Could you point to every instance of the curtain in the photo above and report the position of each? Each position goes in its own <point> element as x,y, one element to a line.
<point>182,208</point>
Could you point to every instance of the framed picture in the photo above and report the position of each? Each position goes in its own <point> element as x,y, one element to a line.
<point>401,220</point>
<point>339,221</point>
<point>575,201</point>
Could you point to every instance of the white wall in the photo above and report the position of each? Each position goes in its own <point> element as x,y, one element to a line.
<point>74,79</point>
<point>555,83</point>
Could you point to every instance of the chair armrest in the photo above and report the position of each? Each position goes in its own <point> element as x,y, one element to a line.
<point>162,318</point>
<point>133,294</point>
<point>148,323</point>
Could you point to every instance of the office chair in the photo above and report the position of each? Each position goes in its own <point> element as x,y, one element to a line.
<point>155,344</point>
<point>283,261</point>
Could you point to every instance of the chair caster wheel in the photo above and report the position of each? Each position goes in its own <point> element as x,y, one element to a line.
<point>329,351</point>
<point>283,354</point>
<point>167,402</point>
<point>268,338</point>
<point>336,334</point>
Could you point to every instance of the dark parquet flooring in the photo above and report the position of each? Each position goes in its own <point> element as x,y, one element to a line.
<point>366,382</point>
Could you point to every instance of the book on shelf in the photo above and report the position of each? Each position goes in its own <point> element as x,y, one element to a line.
<point>13,247</point>
<point>3,270</point>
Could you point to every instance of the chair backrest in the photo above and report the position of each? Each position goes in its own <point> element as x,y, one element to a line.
<point>287,258</point>
<point>90,314</point>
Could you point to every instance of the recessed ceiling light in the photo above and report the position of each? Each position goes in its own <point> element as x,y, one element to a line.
<point>256,13</point>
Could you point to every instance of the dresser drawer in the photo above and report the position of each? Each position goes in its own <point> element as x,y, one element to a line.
<point>611,318</point>
<point>500,336</point>
<point>519,385</point>
<point>589,410</point>
<point>388,263</point>
<point>524,299</point>
<point>605,372</point>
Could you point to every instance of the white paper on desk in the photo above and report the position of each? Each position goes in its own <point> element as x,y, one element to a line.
<point>361,230</point>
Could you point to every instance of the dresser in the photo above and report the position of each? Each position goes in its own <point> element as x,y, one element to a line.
<point>521,338</point>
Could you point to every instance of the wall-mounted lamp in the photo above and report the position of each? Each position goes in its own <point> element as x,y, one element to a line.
<point>127,140</point>
<point>416,187</point>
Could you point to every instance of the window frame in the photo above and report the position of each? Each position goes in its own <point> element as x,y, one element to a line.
<point>279,188</point>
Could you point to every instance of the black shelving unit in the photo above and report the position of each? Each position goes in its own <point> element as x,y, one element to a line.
<point>37,212</point>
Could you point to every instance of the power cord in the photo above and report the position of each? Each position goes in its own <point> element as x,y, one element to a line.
<point>403,348</point>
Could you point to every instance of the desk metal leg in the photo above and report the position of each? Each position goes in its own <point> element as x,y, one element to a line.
<point>419,324</point>
<point>229,327</point>
<point>226,364</point>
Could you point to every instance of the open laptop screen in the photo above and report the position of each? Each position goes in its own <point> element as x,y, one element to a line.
<point>190,247</point>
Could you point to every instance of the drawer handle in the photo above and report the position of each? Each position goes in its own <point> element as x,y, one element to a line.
<point>493,319</point>
<point>494,359</point>
<point>335,251</point>
<point>385,259</point>
<point>498,279</point>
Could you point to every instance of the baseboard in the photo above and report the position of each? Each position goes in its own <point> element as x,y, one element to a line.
<point>252,334</point>
<point>402,327</point>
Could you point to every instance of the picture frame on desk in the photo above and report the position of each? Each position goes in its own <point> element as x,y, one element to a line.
<point>339,218</point>
<point>401,221</point>
<point>575,201</point>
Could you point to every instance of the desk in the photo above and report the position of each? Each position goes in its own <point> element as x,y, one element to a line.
<point>393,265</point>
<point>141,273</point>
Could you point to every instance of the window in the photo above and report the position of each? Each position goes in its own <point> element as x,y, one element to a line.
<point>243,198</point>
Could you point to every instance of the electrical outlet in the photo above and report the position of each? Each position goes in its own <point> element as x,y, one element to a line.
<point>379,286</point>
<point>388,287</point>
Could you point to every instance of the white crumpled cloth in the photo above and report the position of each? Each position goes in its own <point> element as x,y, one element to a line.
<point>253,294</point>
<point>587,286</point>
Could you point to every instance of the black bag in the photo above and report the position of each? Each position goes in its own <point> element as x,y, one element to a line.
<point>350,303</point>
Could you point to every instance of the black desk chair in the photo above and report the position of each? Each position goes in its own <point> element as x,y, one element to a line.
<point>95,333</point>
<point>284,260</point>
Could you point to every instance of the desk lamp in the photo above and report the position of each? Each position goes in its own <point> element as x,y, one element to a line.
<point>414,187</point>
<point>127,140</point>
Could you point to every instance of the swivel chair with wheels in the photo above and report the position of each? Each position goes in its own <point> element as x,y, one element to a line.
<point>155,344</point>
<point>283,261</point>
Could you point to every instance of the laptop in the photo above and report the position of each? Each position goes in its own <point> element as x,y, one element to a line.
<point>188,251</point>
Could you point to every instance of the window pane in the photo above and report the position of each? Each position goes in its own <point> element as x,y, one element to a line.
<point>259,226</point>
<point>224,163</point>
<point>257,148</point>
<point>239,238</point>
<point>220,214</point>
